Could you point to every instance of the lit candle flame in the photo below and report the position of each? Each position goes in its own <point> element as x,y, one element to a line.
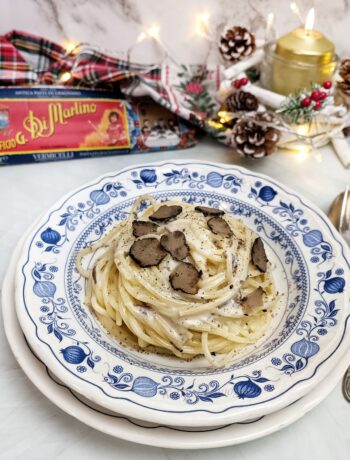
<point>202,23</point>
<point>310,19</point>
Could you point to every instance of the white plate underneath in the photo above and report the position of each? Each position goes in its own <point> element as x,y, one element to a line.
<point>135,430</point>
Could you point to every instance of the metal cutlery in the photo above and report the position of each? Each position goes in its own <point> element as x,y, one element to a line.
<point>339,215</point>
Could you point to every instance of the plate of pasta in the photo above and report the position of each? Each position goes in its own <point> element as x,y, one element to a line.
<point>187,293</point>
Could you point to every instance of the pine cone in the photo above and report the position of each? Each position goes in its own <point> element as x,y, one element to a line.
<point>346,131</point>
<point>253,139</point>
<point>241,101</point>
<point>236,43</point>
<point>344,73</point>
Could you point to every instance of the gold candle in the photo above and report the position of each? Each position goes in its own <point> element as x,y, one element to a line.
<point>303,56</point>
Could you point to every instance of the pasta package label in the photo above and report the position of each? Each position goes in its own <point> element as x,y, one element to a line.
<point>41,124</point>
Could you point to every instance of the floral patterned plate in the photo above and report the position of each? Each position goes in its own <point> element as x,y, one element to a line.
<point>138,431</point>
<point>311,272</point>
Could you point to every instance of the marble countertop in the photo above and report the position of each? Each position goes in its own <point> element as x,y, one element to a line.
<point>31,427</point>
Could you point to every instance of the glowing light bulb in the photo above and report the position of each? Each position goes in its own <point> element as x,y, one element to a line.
<point>310,19</point>
<point>65,76</point>
<point>70,46</point>
<point>301,152</point>
<point>141,37</point>
<point>214,124</point>
<point>294,7</point>
<point>204,17</point>
<point>202,23</point>
<point>222,113</point>
<point>269,21</point>
<point>153,32</point>
<point>304,129</point>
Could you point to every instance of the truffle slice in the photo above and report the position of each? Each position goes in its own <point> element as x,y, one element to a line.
<point>185,278</point>
<point>147,252</point>
<point>165,213</point>
<point>175,244</point>
<point>209,211</point>
<point>219,226</point>
<point>253,300</point>
<point>141,228</point>
<point>259,255</point>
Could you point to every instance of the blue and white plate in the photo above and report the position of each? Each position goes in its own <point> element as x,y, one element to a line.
<point>310,269</point>
<point>138,431</point>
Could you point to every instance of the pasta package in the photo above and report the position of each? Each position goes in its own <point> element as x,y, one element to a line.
<point>48,123</point>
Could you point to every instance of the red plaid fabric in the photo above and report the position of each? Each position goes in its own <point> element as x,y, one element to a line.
<point>189,91</point>
<point>27,58</point>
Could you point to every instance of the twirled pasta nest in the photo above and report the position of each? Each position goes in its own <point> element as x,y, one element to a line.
<point>181,280</point>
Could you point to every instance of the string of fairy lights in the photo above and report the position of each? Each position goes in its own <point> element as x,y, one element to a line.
<point>202,28</point>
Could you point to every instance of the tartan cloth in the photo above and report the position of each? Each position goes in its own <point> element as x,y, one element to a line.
<point>188,91</point>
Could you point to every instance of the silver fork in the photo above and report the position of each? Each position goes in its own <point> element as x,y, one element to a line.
<point>339,214</point>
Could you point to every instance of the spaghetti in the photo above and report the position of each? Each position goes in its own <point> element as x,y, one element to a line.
<point>231,301</point>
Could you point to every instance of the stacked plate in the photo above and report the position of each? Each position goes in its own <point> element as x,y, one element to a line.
<point>138,396</point>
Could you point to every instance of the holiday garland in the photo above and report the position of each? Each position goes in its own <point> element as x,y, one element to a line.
<point>191,91</point>
<point>303,106</point>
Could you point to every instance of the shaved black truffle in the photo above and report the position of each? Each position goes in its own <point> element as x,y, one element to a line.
<point>253,300</point>
<point>141,228</point>
<point>219,226</point>
<point>175,244</point>
<point>185,278</point>
<point>259,257</point>
<point>209,211</point>
<point>147,252</point>
<point>165,213</point>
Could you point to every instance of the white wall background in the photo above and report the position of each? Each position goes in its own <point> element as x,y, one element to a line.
<point>115,24</point>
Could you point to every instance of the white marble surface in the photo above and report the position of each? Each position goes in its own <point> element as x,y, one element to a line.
<point>32,428</point>
<point>116,24</point>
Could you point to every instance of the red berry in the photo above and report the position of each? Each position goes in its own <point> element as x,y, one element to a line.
<point>315,95</point>
<point>318,105</point>
<point>237,84</point>
<point>306,101</point>
<point>244,81</point>
<point>323,95</point>
<point>327,84</point>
